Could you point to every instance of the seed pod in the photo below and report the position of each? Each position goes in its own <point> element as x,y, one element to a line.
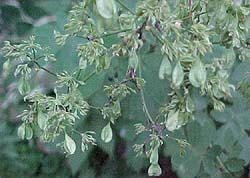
<point>154,170</point>
<point>154,157</point>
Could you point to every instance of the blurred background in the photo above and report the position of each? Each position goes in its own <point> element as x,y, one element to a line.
<point>34,159</point>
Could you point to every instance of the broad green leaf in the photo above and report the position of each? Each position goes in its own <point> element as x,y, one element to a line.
<point>187,166</point>
<point>165,68</point>
<point>107,134</point>
<point>172,122</point>
<point>154,156</point>
<point>154,170</point>
<point>106,8</point>
<point>178,75</point>
<point>235,165</point>
<point>197,74</point>
<point>69,144</point>
<point>42,120</point>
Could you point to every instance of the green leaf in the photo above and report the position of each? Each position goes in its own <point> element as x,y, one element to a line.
<point>69,144</point>
<point>107,134</point>
<point>106,8</point>
<point>234,164</point>
<point>190,104</point>
<point>42,120</point>
<point>154,156</point>
<point>28,132</point>
<point>165,68</point>
<point>178,75</point>
<point>23,86</point>
<point>197,74</point>
<point>133,60</point>
<point>154,170</point>
<point>172,121</point>
<point>21,131</point>
<point>187,166</point>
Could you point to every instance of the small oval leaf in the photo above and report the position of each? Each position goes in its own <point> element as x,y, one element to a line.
<point>21,131</point>
<point>107,134</point>
<point>165,68</point>
<point>178,75</point>
<point>42,120</point>
<point>172,122</point>
<point>197,74</point>
<point>106,8</point>
<point>69,144</point>
<point>133,60</point>
<point>28,132</point>
<point>23,86</point>
<point>190,107</point>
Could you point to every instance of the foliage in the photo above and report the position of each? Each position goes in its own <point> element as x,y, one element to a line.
<point>167,67</point>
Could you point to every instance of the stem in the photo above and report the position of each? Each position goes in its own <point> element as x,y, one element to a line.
<point>157,37</point>
<point>76,131</point>
<point>36,59</point>
<point>223,167</point>
<point>125,7</point>
<point>78,74</point>
<point>46,70</point>
<point>89,76</point>
<point>144,105</point>
<point>197,15</point>
<point>114,33</point>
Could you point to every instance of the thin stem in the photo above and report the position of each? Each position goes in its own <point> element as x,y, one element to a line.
<point>95,107</point>
<point>36,59</point>
<point>46,70</point>
<point>197,15</point>
<point>223,167</point>
<point>124,6</point>
<point>76,131</point>
<point>79,74</point>
<point>89,76</point>
<point>157,37</point>
<point>114,33</point>
<point>144,105</point>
